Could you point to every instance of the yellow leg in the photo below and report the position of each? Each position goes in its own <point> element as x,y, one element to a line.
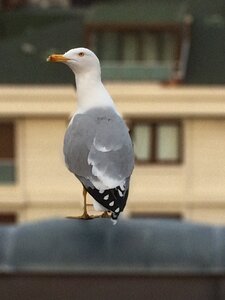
<point>85,215</point>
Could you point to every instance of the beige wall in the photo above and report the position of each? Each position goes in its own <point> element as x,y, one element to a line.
<point>207,198</point>
<point>50,189</point>
<point>195,188</point>
<point>46,188</point>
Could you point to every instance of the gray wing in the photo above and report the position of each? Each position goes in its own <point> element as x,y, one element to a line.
<point>111,154</point>
<point>77,144</point>
<point>97,146</point>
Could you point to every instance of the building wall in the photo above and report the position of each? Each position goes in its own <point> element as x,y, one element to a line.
<point>194,188</point>
<point>208,170</point>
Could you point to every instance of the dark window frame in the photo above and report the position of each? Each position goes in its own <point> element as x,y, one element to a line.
<point>8,218</point>
<point>180,31</point>
<point>12,151</point>
<point>174,29</point>
<point>154,124</point>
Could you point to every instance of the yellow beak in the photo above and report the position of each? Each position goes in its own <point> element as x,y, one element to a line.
<point>57,58</point>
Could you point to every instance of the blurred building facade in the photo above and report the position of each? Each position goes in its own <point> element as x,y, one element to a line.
<point>179,173</point>
<point>178,131</point>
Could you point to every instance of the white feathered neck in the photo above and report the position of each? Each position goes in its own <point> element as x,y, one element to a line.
<point>91,92</point>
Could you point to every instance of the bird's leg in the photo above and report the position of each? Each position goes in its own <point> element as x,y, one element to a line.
<point>85,214</point>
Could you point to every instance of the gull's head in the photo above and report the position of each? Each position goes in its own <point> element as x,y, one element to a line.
<point>80,60</point>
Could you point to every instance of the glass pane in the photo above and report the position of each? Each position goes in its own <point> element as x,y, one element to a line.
<point>169,47</point>
<point>110,41</point>
<point>130,47</point>
<point>167,147</point>
<point>141,140</point>
<point>149,47</point>
<point>7,171</point>
<point>7,152</point>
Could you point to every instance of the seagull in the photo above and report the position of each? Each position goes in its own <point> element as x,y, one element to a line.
<point>97,145</point>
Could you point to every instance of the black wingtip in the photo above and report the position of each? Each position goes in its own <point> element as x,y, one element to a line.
<point>114,218</point>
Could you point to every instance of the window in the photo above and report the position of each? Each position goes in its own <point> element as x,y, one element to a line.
<point>8,218</point>
<point>157,142</point>
<point>154,49</point>
<point>135,43</point>
<point>7,152</point>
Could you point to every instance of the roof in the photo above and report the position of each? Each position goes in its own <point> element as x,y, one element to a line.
<point>142,11</point>
<point>96,246</point>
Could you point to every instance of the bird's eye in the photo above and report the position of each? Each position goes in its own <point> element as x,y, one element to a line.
<point>81,54</point>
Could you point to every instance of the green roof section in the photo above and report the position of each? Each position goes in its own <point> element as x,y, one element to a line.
<point>137,11</point>
<point>28,36</point>
<point>25,51</point>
